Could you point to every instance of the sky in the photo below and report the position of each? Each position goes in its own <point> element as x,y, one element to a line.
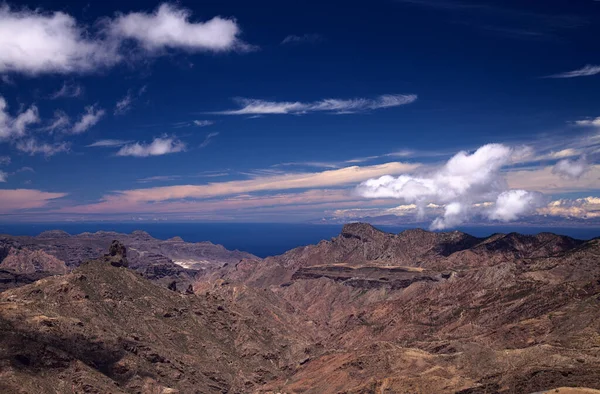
<point>436,111</point>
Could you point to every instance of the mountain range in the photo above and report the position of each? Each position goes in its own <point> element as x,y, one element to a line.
<point>364,312</point>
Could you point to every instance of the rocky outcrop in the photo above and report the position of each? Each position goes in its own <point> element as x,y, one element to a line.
<point>117,255</point>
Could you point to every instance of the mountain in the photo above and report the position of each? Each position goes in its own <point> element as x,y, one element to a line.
<point>165,261</point>
<point>365,312</point>
<point>104,329</point>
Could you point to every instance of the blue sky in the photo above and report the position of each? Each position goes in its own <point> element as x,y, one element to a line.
<point>293,111</point>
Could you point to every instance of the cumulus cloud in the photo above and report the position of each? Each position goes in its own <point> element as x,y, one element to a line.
<point>14,127</point>
<point>466,179</point>
<point>586,71</point>
<point>305,38</point>
<point>208,139</point>
<point>573,169</point>
<point>32,147</point>
<point>3,176</point>
<point>68,90</point>
<point>107,143</point>
<point>36,42</point>
<point>158,147</point>
<point>169,27</point>
<point>338,106</point>
<point>512,204</point>
<point>89,119</point>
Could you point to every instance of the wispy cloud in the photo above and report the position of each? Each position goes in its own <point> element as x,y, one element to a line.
<point>588,122</point>
<point>125,104</point>
<point>586,71</point>
<point>68,90</point>
<point>159,178</point>
<point>513,23</point>
<point>203,123</point>
<point>16,126</point>
<point>337,106</point>
<point>208,139</point>
<point>90,118</point>
<point>60,122</point>
<point>21,199</point>
<point>302,39</point>
<point>33,147</point>
<point>4,160</point>
<point>107,143</point>
<point>7,80</point>
<point>3,176</point>
<point>158,147</point>
<point>136,198</point>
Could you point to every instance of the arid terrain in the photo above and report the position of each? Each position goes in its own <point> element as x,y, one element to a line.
<point>365,312</point>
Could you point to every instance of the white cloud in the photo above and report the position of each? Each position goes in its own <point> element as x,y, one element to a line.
<point>588,122</point>
<point>586,71</point>
<point>208,138</point>
<point>91,116</point>
<point>454,214</point>
<point>464,180</point>
<point>305,38</point>
<point>35,42</point>
<point>581,208</point>
<point>68,90</point>
<point>60,122</point>
<point>3,176</point>
<point>158,147</point>
<point>169,27</point>
<point>107,143</point>
<point>4,160</point>
<point>512,204</point>
<point>338,106</point>
<point>203,123</point>
<point>573,169</point>
<point>14,127</point>
<point>33,147</point>
<point>123,105</point>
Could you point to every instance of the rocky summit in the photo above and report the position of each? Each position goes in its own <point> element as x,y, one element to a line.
<point>364,312</point>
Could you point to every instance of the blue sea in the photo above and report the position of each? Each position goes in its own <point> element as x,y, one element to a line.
<point>260,239</point>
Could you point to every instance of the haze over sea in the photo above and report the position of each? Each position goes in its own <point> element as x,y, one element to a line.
<point>260,239</point>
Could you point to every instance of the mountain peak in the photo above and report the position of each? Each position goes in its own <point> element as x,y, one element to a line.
<point>360,231</point>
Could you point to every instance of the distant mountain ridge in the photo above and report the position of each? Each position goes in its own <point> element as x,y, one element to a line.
<point>162,260</point>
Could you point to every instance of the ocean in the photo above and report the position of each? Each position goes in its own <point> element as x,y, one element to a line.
<point>260,239</point>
